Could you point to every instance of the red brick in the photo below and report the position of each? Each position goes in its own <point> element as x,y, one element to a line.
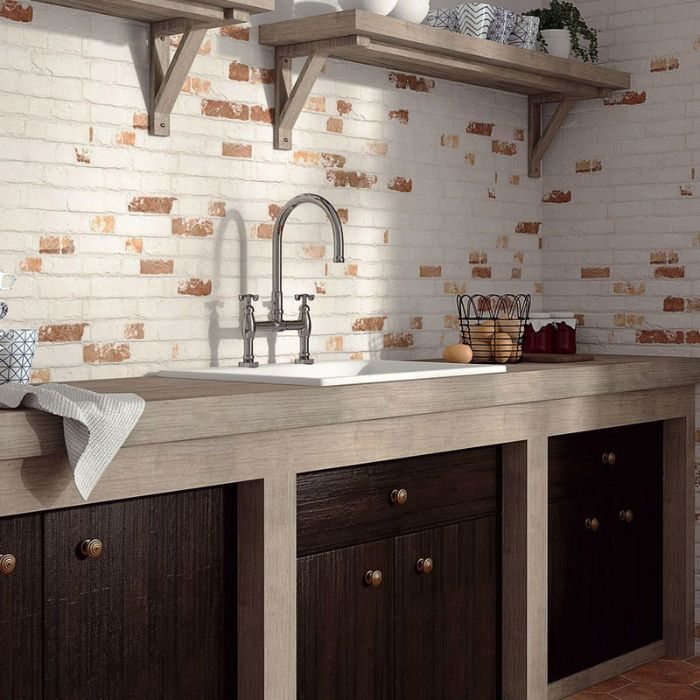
<point>225,110</point>
<point>504,148</point>
<point>478,257</point>
<point>195,228</point>
<point>334,125</point>
<point>111,353</point>
<point>126,138</point>
<point>692,337</point>
<point>481,273</point>
<point>628,97</point>
<point>350,270</point>
<point>262,231</point>
<point>16,11</point>
<point>532,227</point>
<point>62,333</point>
<point>241,32</point>
<point>343,106</point>
<point>262,115</point>
<point>404,81</point>
<point>588,166</point>
<point>156,267</point>
<point>217,209</point>
<point>449,140</point>
<point>315,104</point>
<point>334,343</point>
<point>332,160</point>
<point>431,271</point>
<point>398,340</point>
<point>556,197</point>
<point>196,86</point>
<point>519,134</point>
<point>103,223</point>
<point>237,150</point>
<point>40,376</point>
<point>674,304</point>
<point>453,288</point>
<point>480,128</point>
<point>687,191</point>
<point>134,331</point>
<point>400,184</point>
<point>369,323</point>
<point>262,76</point>
<point>675,272</point>
<point>82,155</point>
<point>152,205</point>
<point>140,120</point>
<point>195,287</point>
<point>56,245</point>
<point>665,63</point>
<point>416,323</point>
<point>399,115</point>
<point>450,321</point>
<point>31,265</point>
<point>351,178</point>
<point>659,337</point>
<point>629,289</point>
<point>133,245</point>
<point>595,273</point>
<point>314,251</point>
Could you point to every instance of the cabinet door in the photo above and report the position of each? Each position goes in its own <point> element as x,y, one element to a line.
<point>635,567</point>
<point>448,620</point>
<point>345,632</point>
<point>578,584</point>
<point>153,615</point>
<point>21,605</point>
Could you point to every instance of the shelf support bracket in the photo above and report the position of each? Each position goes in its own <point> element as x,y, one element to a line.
<point>168,77</point>
<point>290,97</point>
<point>539,141</point>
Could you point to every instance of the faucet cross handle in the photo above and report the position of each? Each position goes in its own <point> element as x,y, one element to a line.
<point>304,298</point>
<point>247,298</point>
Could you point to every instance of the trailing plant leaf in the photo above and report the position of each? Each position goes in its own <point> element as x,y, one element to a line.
<point>565,15</point>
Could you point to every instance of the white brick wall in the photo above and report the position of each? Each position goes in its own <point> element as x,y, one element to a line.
<point>634,219</point>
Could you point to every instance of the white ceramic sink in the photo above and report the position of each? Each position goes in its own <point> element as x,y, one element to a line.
<point>336,373</point>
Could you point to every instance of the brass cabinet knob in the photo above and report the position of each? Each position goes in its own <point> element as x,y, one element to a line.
<point>92,548</point>
<point>609,458</point>
<point>7,564</point>
<point>374,578</point>
<point>626,516</point>
<point>424,565</point>
<point>399,496</point>
<point>592,524</point>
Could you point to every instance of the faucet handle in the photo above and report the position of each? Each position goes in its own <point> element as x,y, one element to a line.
<point>247,298</point>
<point>304,298</point>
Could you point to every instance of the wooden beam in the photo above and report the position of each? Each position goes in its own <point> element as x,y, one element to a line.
<point>524,589</point>
<point>679,543</point>
<point>540,142</point>
<point>167,77</point>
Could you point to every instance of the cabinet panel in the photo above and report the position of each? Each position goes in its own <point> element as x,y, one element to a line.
<point>345,627</point>
<point>448,621</point>
<point>353,504</point>
<point>21,615</point>
<point>154,615</point>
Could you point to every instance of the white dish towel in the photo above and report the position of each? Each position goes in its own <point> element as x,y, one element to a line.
<point>95,426</point>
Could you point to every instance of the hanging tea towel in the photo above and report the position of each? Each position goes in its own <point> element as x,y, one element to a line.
<point>95,426</point>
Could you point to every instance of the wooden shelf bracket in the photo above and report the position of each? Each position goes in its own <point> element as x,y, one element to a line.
<point>290,97</point>
<point>539,141</point>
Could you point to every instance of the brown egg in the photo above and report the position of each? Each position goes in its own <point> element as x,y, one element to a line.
<point>457,353</point>
<point>502,347</point>
<point>511,326</point>
<point>481,340</point>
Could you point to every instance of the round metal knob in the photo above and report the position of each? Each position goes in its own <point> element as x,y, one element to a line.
<point>374,578</point>
<point>626,516</point>
<point>7,564</point>
<point>424,565</point>
<point>91,548</point>
<point>592,524</point>
<point>609,458</point>
<point>399,496</point>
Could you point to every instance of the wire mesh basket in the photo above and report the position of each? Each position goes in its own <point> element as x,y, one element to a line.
<point>493,325</point>
<point>17,349</point>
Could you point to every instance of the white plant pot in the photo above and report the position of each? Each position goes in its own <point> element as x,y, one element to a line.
<point>379,7</point>
<point>411,10</point>
<point>558,42</point>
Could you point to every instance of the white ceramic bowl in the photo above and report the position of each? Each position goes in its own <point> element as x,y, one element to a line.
<point>411,10</point>
<point>379,7</point>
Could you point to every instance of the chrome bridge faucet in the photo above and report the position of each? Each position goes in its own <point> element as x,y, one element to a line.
<point>278,324</point>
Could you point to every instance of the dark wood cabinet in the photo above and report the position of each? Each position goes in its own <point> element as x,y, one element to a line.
<point>147,611</point>
<point>431,629</point>
<point>21,608</point>
<point>605,546</point>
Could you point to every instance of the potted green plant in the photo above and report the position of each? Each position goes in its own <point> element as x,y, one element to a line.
<point>562,30</point>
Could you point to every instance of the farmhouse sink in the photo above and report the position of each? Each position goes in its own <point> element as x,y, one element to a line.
<point>335,373</point>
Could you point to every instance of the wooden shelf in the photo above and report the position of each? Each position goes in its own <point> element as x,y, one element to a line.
<point>204,13</point>
<point>375,40</point>
<point>166,18</point>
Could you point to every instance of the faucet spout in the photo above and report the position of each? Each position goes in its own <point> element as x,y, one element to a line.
<point>338,245</point>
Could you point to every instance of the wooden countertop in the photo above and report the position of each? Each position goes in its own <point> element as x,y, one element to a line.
<point>184,409</point>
